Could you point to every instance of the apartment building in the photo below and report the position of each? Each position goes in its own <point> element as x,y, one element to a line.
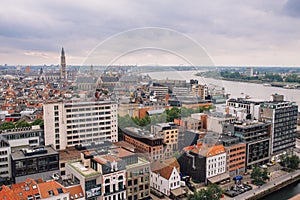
<point>205,161</point>
<point>236,154</point>
<point>217,120</point>
<point>72,123</point>
<point>37,162</point>
<point>215,163</point>
<point>200,90</point>
<point>169,132</point>
<point>192,163</point>
<point>283,118</point>
<point>151,146</point>
<point>101,173</point>
<point>159,91</point>
<point>137,175</point>
<point>256,135</point>
<point>22,137</point>
<point>244,108</point>
<point>5,169</point>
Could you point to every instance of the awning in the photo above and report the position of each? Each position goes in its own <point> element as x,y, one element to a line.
<point>178,192</point>
<point>237,178</point>
<point>218,178</point>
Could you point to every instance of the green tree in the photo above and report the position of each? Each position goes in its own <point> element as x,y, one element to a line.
<point>258,175</point>
<point>173,113</point>
<point>215,191</point>
<point>294,162</point>
<point>22,123</point>
<point>39,122</point>
<point>290,161</point>
<point>7,125</point>
<point>212,192</point>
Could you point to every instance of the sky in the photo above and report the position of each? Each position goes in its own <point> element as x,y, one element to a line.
<point>226,32</point>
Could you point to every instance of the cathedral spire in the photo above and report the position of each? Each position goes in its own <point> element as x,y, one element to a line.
<point>63,70</point>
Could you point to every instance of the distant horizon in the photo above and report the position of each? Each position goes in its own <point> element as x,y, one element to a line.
<point>133,65</point>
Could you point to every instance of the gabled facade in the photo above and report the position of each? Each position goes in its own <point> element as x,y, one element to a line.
<point>165,176</point>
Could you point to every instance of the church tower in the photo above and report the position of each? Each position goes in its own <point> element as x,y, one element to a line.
<point>63,69</point>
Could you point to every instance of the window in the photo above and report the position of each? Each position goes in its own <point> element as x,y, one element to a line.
<point>50,192</point>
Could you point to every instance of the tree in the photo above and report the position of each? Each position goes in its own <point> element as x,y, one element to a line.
<point>294,162</point>
<point>39,122</point>
<point>7,125</point>
<point>290,161</point>
<point>259,176</point>
<point>22,123</point>
<point>215,191</point>
<point>172,114</point>
<point>212,192</point>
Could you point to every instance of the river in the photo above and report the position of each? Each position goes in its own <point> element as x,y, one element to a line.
<point>240,89</point>
<point>235,89</point>
<point>284,193</point>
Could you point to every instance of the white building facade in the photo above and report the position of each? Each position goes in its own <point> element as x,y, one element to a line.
<point>216,164</point>
<point>165,182</point>
<point>71,123</point>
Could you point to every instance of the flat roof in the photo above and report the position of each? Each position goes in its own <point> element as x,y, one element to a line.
<point>80,168</point>
<point>18,154</point>
<point>250,124</point>
<point>69,154</point>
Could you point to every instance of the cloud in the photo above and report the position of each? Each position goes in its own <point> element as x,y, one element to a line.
<point>292,8</point>
<point>231,30</point>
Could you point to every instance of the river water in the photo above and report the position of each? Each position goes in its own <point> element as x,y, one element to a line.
<point>235,89</point>
<point>285,193</point>
<point>240,89</point>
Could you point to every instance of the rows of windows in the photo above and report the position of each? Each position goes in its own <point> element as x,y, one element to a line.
<point>3,159</point>
<point>16,136</point>
<point>90,119</point>
<point>3,153</point>
<point>88,114</point>
<point>88,109</point>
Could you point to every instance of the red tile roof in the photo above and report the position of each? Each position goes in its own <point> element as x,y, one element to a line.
<point>165,168</point>
<point>7,194</point>
<point>25,189</point>
<point>75,191</point>
<point>53,186</point>
<point>215,150</point>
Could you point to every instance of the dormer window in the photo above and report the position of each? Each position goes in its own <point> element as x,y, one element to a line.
<point>51,193</point>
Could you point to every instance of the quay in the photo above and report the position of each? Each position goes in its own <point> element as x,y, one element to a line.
<point>270,187</point>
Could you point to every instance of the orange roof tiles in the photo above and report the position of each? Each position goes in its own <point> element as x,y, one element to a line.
<point>75,191</point>
<point>193,148</point>
<point>25,189</point>
<point>53,186</point>
<point>165,168</point>
<point>7,194</point>
<point>215,150</point>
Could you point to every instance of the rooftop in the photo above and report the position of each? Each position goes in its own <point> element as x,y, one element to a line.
<point>165,168</point>
<point>69,154</point>
<point>80,168</point>
<point>32,152</point>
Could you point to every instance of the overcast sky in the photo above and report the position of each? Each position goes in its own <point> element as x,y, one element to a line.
<point>231,32</point>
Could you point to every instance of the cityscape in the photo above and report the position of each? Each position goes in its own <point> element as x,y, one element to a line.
<point>116,133</point>
<point>141,100</point>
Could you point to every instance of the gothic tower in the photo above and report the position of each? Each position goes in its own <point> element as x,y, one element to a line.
<point>63,70</point>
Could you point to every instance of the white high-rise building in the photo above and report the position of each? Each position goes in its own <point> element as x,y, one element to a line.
<point>71,123</point>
